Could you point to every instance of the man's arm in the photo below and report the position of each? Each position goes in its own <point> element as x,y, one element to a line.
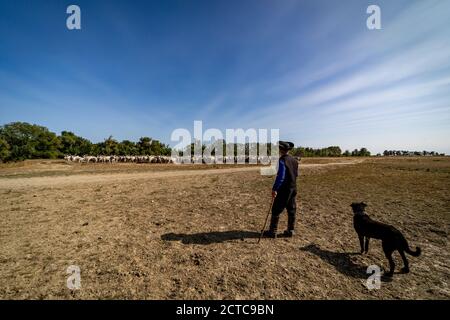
<point>280,177</point>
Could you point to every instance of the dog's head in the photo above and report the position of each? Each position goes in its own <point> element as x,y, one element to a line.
<point>358,207</point>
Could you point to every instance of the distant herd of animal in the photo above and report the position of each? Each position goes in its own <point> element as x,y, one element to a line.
<point>113,159</point>
<point>170,159</point>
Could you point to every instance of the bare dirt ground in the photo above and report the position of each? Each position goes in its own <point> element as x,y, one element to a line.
<point>189,232</point>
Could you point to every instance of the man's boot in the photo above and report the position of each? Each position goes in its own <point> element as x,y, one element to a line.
<point>291,226</point>
<point>272,232</point>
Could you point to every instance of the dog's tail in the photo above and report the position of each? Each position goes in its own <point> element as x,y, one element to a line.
<point>413,253</point>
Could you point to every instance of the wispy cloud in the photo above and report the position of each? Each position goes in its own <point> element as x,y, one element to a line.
<point>400,83</point>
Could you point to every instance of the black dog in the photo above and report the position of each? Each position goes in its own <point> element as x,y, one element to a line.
<point>391,238</point>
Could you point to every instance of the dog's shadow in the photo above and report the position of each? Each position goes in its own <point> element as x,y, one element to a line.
<point>210,237</point>
<point>342,262</point>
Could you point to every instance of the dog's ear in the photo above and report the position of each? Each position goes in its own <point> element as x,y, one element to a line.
<point>364,204</point>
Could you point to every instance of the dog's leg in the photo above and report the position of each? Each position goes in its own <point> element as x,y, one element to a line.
<point>361,242</point>
<point>405,269</point>
<point>366,247</point>
<point>388,253</point>
<point>391,265</point>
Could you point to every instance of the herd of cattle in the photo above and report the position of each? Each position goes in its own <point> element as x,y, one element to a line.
<point>168,159</point>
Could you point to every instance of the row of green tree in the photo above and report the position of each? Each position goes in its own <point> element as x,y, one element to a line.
<point>405,153</point>
<point>21,140</point>
<point>332,151</point>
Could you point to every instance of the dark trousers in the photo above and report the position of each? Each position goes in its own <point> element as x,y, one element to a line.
<point>285,199</point>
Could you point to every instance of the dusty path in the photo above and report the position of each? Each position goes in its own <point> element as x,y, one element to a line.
<point>55,181</point>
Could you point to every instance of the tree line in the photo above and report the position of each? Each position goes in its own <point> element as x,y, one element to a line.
<point>405,153</point>
<point>21,140</point>
<point>332,151</point>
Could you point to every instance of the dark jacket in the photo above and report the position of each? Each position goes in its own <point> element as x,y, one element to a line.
<point>287,174</point>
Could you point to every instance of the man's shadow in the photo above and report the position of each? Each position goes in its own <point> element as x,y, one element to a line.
<point>342,262</point>
<point>210,237</point>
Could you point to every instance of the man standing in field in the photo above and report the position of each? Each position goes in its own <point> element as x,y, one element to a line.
<point>284,191</point>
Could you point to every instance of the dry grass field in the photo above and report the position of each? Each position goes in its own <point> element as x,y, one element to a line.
<point>189,232</point>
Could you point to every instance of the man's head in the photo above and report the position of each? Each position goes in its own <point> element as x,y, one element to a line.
<point>285,146</point>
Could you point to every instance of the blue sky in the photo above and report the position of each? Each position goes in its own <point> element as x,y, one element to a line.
<point>310,68</point>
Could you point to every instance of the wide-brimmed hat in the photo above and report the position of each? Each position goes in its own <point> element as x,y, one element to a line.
<point>285,145</point>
